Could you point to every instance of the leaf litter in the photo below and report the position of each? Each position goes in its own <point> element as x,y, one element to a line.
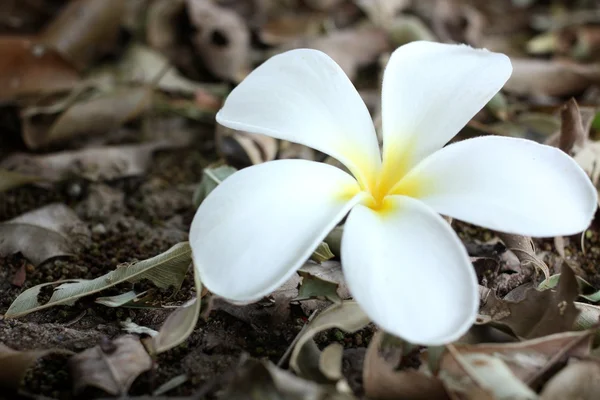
<point>88,88</point>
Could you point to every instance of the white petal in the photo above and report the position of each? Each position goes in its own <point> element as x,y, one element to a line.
<point>303,96</point>
<point>258,226</point>
<point>430,92</point>
<point>409,271</point>
<point>509,185</point>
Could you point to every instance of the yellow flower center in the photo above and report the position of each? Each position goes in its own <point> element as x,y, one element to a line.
<point>392,179</point>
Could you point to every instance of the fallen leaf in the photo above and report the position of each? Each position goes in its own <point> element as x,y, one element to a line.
<point>586,290</point>
<point>409,28</point>
<point>171,384</point>
<point>350,48</point>
<point>242,148</point>
<point>19,362</point>
<point>523,248</point>
<point>265,381</point>
<point>95,163</point>
<point>99,114</point>
<point>164,270</point>
<point>110,366</point>
<point>286,27</point>
<point>11,179</point>
<point>550,78</point>
<point>127,299</point>
<point>535,313</point>
<point>142,65</point>
<point>528,360</point>
<point>211,178</point>
<point>382,379</point>
<point>483,374</point>
<point>325,279</point>
<point>347,316</point>
<point>51,231</point>
<point>578,380</point>
<point>322,253</point>
<point>179,325</point>
<point>19,277</point>
<point>85,30</point>
<point>223,39</point>
<point>382,12</point>
<point>30,68</point>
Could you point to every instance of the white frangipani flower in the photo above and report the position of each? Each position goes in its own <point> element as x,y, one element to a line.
<point>403,263</point>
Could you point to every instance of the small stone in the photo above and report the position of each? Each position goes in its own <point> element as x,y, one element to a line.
<point>99,229</point>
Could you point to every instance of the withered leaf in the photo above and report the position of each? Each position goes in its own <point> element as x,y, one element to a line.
<point>223,39</point>
<point>211,178</point>
<point>483,376</point>
<point>323,280</point>
<point>16,363</point>
<point>522,246</point>
<point>350,48</point>
<point>165,270</point>
<point>243,149</point>
<point>111,367</point>
<point>51,231</point>
<point>85,30</point>
<point>382,380</point>
<point>535,313</point>
<point>528,360</point>
<point>550,78</point>
<point>578,380</point>
<point>95,163</point>
<point>99,114</point>
<point>30,68</point>
<point>347,316</point>
<point>267,382</point>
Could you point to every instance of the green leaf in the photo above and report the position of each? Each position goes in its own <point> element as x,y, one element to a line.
<point>164,270</point>
<point>322,253</point>
<point>130,299</point>
<point>211,178</point>
<point>179,325</point>
<point>586,290</point>
<point>347,316</point>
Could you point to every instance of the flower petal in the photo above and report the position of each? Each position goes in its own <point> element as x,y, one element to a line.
<point>303,96</point>
<point>258,226</point>
<point>430,92</point>
<point>409,271</point>
<point>509,185</point>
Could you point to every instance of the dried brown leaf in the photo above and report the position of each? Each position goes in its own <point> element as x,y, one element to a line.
<point>347,316</point>
<point>85,30</point>
<point>578,380</point>
<point>97,115</point>
<point>350,48</point>
<point>528,360</point>
<point>382,380</point>
<point>550,78</point>
<point>95,164</point>
<point>223,39</point>
<point>522,247</point>
<point>535,313</point>
<point>51,231</point>
<point>30,68</point>
<point>482,376</point>
<point>382,12</point>
<point>289,26</point>
<point>16,363</point>
<point>242,149</point>
<point>110,366</point>
<point>265,381</point>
